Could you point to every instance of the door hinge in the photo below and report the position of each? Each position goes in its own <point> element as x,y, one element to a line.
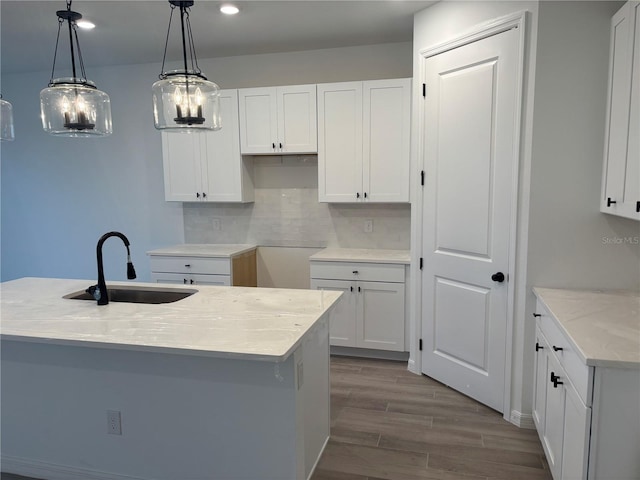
<point>420,263</point>
<point>424,89</point>
<point>420,345</point>
<point>422,178</point>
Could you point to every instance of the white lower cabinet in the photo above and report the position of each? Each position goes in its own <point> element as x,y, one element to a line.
<point>371,313</point>
<point>586,416</point>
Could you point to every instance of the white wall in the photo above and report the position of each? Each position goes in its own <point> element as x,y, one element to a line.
<point>561,231</point>
<point>59,195</point>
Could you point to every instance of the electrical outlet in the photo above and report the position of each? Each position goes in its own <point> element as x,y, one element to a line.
<point>368,226</point>
<point>114,422</point>
<point>217,224</point>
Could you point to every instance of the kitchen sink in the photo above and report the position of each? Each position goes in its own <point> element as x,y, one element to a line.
<point>149,295</point>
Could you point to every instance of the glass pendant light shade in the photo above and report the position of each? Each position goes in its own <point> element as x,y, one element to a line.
<point>74,107</point>
<point>6,121</point>
<point>185,102</point>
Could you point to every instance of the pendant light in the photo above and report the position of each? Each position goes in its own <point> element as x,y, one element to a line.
<point>6,121</point>
<point>184,100</point>
<point>73,106</point>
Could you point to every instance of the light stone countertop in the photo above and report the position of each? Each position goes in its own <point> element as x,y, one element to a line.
<point>366,255</point>
<point>203,250</point>
<point>227,322</point>
<point>604,326</point>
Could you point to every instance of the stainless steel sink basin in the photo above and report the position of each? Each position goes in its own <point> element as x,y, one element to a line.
<point>132,294</point>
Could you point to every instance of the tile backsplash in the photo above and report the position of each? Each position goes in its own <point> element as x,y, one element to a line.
<point>286,213</point>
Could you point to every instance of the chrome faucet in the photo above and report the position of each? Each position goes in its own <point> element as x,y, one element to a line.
<point>99,291</point>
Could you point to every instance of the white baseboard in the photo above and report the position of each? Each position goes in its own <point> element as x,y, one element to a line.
<point>412,367</point>
<point>522,420</point>
<point>52,471</point>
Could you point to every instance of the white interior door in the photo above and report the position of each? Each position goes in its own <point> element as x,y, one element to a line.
<point>469,143</point>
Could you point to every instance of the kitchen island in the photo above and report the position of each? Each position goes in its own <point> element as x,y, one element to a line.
<point>228,383</point>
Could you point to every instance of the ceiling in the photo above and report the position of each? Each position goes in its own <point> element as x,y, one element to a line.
<point>129,32</point>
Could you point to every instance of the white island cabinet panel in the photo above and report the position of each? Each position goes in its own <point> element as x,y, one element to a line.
<point>229,383</point>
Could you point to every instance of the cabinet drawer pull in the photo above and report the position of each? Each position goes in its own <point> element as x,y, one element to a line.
<point>555,379</point>
<point>357,194</point>
<point>184,280</point>
<point>557,349</point>
<point>359,289</point>
<point>355,272</point>
<point>351,288</point>
<point>536,315</point>
<point>638,206</point>
<point>539,347</point>
<point>187,265</point>
<point>610,202</point>
<point>192,282</point>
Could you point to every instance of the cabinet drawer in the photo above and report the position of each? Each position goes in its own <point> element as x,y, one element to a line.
<point>580,375</point>
<point>204,265</point>
<point>372,272</point>
<point>190,279</point>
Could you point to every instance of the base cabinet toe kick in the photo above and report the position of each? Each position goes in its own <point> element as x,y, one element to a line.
<point>587,413</point>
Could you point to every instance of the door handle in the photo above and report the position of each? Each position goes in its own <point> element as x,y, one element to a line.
<point>555,379</point>
<point>610,202</point>
<point>498,277</point>
<point>539,347</point>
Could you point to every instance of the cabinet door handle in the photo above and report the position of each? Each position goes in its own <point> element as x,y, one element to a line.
<point>280,146</point>
<point>188,265</point>
<point>365,194</point>
<point>539,347</point>
<point>273,145</point>
<point>359,289</point>
<point>610,202</point>
<point>555,379</point>
<point>557,349</point>
<point>351,288</point>
<point>536,315</point>
<point>184,280</point>
<point>355,272</point>
<point>638,206</point>
<point>357,194</point>
<point>192,282</point>
<point>197,194</point>
<point>204,195</point>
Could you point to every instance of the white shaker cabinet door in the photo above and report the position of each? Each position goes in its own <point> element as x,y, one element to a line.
<point>227,177</point>
<point>386,130</point>
<point>297,119</point>
<point>181,153</point>
<point>342,327</point>
<point>258,120</point>
<point>381,312</point>
<point>340,142</point>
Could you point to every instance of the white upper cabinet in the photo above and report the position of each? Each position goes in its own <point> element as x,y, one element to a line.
<point>621,173</point>
<point>363,148</point>
<point>207,166</point>
<point>277,120</point>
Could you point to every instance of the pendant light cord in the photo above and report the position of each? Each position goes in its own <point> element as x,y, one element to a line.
<point>166,43</point>
<point>55,53</point>
<point>73,34</point>
<point>192,49</point>
<point>185,24</point>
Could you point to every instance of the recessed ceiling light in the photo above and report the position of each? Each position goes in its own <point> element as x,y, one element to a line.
<point>85,24</point>
<point>229,9</point>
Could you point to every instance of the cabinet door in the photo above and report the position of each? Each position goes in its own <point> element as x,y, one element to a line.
<point>181,154</point>
<point>621,182</point>
<point>226,177</point>
<point>540,381</point>
<point>258,120</point>
<point>553,436</point>
<point>340,142</point>
<point>297,119</point>
<point>386,129</point>
<point>575,446</point>
<point>380,316</point>
<point>342,327</point>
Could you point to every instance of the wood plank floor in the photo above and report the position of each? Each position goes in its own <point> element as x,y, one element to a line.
<point>387,423</point>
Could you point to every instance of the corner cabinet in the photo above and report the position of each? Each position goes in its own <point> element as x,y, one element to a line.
<point>621,172</point>
<point>207,166</point>
<point>364,140</point>
<point>587,417</point>
<point>278,120</point>
<point>371,313</point>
